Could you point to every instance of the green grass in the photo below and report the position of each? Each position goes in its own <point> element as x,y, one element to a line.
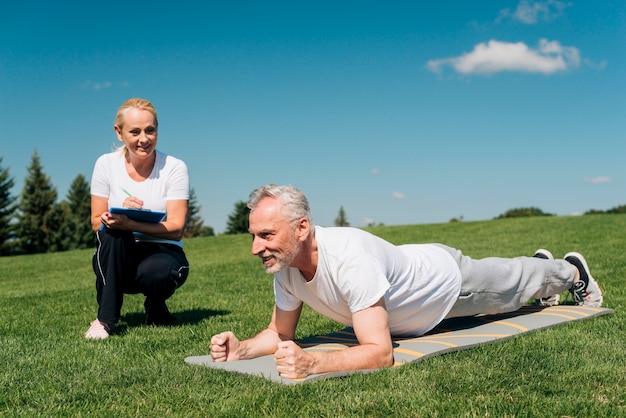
<point>47,368</point>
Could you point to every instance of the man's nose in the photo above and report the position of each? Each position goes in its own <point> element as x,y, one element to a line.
<point>257,246</point>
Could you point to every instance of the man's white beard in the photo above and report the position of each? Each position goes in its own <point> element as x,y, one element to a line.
<point>281,263</point>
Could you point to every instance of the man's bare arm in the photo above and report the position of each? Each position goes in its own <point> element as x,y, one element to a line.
<point>375,348</point>
<point>226,347</point>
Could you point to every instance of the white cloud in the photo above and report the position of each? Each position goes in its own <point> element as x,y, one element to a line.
<point>375,171</point>
<point>367,221</point>
<point>598,180</point>
<point>530,12</point>
<point>91,85</point>
<point>397,195</point>
<point>496,56</point>
<point>601,65</point>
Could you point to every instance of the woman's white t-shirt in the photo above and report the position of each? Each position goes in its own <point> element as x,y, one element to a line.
<point>420,282</point>
<point>169,180</point>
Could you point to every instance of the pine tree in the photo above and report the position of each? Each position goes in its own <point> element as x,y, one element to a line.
<point>341,220</point>
<point>206,231</point>
<point>60,238</point>
<point>7,211</point>
<point>238,220</point>
<point>194,224</point>
<point>37,198</point>
<point>79,200</point>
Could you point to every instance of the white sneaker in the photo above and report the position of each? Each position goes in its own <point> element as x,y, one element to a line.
<point>97,331</point>
<point>551,300</point>
<point>586,290</point>
<point>543,253</point>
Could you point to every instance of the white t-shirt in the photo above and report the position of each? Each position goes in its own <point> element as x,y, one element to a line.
<point>169,180</point>
<point>420,282</point>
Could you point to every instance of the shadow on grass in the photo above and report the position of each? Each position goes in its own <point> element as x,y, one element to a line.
<point>192,316</point>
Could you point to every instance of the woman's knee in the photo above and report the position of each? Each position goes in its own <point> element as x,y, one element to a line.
<point>161,277</point>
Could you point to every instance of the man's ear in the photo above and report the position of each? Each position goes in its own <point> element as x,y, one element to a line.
<point>303,229</point>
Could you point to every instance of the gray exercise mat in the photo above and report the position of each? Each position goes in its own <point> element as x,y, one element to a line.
<point>451,335</point>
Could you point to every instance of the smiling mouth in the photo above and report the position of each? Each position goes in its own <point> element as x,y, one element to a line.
<point>266,259</point>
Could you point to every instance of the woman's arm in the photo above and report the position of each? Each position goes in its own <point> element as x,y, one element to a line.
<point>99,206</point>
<point>172,228</point>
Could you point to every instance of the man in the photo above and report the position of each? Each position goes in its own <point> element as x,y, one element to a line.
<point>379,289</point>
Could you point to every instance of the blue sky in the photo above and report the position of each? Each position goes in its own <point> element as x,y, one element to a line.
<point>402,112</point>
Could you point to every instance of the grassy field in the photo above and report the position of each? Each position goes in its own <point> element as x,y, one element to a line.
<point>49,369</point>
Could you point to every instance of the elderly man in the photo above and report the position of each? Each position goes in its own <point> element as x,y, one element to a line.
<point>379,289</point>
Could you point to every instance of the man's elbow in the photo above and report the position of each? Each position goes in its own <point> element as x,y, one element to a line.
<point>387,359</point>
<point>383,359</point>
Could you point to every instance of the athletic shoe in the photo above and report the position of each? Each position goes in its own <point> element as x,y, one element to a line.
<point>549,301</point>
<point>157,313</point>
<point>97,331</point>
<point>554,299</point>
<point>545,254</point>
<point>586,290</point>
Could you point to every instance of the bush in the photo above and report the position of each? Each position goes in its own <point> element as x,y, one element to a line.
<point>523,213</point>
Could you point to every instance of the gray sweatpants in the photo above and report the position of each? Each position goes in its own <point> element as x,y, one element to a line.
<point>496,285</point>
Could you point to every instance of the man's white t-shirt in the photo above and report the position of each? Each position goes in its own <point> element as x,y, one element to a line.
<point>169,180</point>
<point>420,282</point>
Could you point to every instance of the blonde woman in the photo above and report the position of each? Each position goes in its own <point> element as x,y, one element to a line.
<point>134,256</point>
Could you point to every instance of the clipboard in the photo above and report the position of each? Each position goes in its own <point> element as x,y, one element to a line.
<point>140,215</point>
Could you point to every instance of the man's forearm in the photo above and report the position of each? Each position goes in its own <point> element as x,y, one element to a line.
<point>264,343</point>
<point>354,358</point>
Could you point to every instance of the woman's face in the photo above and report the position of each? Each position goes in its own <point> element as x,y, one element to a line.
<point>138,133</point>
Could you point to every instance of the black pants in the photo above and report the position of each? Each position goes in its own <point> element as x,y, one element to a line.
<point>124,266</point>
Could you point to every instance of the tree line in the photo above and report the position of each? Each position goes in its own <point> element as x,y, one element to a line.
<point>533,211</point>
<point>34,222</point>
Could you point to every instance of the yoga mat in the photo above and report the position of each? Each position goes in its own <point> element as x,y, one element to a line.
<point>450,335</point>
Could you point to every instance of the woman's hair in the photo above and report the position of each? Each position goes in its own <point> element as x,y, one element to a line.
<point>135,103</point>
<point>295,204</point>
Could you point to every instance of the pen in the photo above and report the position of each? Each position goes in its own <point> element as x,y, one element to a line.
<point>130,195</point>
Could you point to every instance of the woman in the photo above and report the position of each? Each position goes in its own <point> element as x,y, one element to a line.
<point>133,256</point>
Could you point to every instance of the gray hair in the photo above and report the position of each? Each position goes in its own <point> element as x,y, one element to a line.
<point>295,203</point>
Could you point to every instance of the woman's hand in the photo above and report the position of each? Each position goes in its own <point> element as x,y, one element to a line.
<point>133,202</point>
<point>112,221</point>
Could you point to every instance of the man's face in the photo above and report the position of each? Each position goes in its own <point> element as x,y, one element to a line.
<point>274,238</point>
